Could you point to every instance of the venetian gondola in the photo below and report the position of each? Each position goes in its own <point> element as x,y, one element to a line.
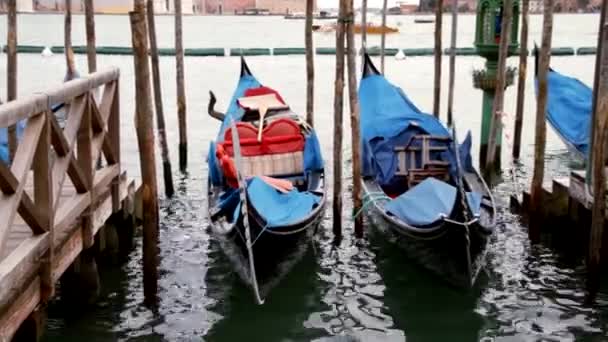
<point>568,111</point>
<point>266,186</point>
<point>420,187</point>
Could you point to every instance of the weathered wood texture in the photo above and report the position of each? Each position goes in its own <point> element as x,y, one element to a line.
<point>338,118</point>
<point>145,140</point>
<point>364,23</point>
<point>354,115</point>
<point>501,77</point>
<point>34,248</point>
<point>158,102</point>
<point>70,73</point>
<point>310,64</point>
<point>382,37</point>
<point>521,81</point>
<point>437,52</point>
<point>599,126</point>
<point>89,11</point>
<point>540,139</point>
<point>181,90</point>
<point>452,71</point>
<point>11,70</point>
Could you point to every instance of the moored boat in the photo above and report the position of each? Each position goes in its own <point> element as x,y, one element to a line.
<point>568,111</point>
<point>266,187</point>
<point>421,189</point>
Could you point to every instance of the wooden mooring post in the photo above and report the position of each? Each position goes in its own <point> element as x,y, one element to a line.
<point>181,90</point>
<point>145,139</point>
<point>310,65</point>
<point>354,114</point>
<point>540,139</point>
<point>71,72</point>
<point>521,81</point>
<point>60,221</point>
<point>338,113</point>
<point>437,52</point>
<point>89,11</point>
<point>158,102</point>
<point>599,125</point>
<point>11,70</point>
<point>364,24</point>
<point>452,75</point>
<point>382,36</point>
<point>501,82</point>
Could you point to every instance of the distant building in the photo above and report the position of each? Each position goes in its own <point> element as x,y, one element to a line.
<point>408,6</point>
<point>253,6</point>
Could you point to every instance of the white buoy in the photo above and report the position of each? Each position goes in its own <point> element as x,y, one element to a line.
<point>400,55</point>
<point>47,52</point>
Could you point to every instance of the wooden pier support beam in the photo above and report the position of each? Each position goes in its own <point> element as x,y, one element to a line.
<point>89,11</point>
<point>181,91</point>
<point>521,81</point>
<point>310,65</point>
<point>540,141</point>
<point>338,113</point>
<point>354,114</point>
<point>438,52</point>
<point>499,97</point>
<point>11,70</point>
<point>382,36</point>
<point>598,161</point>
<point>452,71</point>
<point>158,102</point>
<point>145,139</point>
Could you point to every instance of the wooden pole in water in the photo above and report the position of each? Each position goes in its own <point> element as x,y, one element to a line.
<point>438,52</point>
<point>338,108</point>
<point>181,91</point>
<point>158,102</point>
<point>11,70</point>
<point>521,82</point>
<point>599,127</point>
<point>310,65</point>
<point>501,75</point>
<point>89,11</point>
<point>145,140</point>
<point>382,37</point>
<point>67,42</point>
<point>452,61</point>
<point>540,139</point>
<point>364,23</point>
<point>354,115</point>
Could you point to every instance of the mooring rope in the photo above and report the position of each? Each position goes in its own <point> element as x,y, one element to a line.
<point>371,197</point>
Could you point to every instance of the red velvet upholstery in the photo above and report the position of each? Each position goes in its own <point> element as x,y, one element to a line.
<point>280,136</point>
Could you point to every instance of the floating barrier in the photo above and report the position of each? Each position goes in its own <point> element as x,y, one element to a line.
<point>588,50</point>
<point>250,52</point>
<point>288,51</point>
<point>220,52</point>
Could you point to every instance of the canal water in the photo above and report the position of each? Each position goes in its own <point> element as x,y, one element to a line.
<point>359,291</point>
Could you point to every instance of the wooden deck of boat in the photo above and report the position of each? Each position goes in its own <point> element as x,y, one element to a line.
<point>53,197</point>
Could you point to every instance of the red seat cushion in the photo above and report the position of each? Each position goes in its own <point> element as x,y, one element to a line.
<point>280,136</point>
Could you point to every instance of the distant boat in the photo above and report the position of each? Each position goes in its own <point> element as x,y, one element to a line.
<point>326,15</point>
<point>295,15</point>
<point>424,20</point>
<point>370,28</point>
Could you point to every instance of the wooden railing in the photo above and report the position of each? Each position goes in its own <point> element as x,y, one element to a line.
<point>34,184</point>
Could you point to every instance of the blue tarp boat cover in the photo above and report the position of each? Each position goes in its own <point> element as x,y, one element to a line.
<point>428,202</point>
<point>389,119</point>
<point>277,208</point>
<point>569,103</point>
<point>234,110</point>
<point>4,140</point>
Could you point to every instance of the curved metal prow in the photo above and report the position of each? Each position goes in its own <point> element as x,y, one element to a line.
<point>369,68</point>
<point>244,68</point>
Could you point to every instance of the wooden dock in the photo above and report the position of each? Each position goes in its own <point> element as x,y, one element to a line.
<point>46,221</point>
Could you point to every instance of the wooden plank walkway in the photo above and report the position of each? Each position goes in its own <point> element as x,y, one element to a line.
<point>46,221</point>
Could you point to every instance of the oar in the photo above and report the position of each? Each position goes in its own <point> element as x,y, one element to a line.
<point>236,145</point>
<point>262,109</point>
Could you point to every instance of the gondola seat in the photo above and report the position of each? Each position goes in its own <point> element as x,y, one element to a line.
<point>280,153</point>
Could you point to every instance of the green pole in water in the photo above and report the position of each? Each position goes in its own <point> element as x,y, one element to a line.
<point>487,37</point>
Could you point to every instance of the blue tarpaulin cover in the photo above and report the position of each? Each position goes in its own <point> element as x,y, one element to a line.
<point>429,201</point>
<point>4,140</point>
<point>277,208</point>
<point>313,159</point>
<point>569,103</point>
<point>234,110</point>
